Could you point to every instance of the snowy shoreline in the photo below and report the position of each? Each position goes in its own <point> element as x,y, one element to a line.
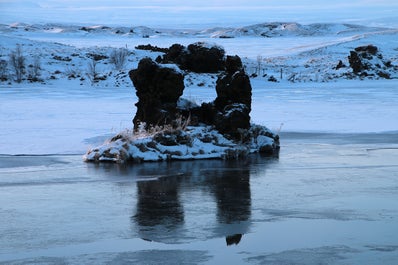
<point>196,142</point>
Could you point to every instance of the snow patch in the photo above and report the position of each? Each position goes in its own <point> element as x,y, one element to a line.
<point>197,142</point>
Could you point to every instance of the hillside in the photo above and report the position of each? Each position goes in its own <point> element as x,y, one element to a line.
<point>271,51</point>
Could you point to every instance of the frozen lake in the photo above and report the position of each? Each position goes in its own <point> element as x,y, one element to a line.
<point>57,120</point>
<point>330,197</point>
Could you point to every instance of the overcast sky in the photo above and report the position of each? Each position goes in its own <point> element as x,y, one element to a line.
<point>194,12</point>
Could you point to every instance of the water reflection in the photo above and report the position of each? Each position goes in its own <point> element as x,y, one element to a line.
<point>231,189</point>
<point>158,203</point>
<point>180,201</point>
<point>160,215</point>
<point>233,239</point>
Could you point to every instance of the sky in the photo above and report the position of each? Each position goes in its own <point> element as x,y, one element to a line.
<point>194,13</point>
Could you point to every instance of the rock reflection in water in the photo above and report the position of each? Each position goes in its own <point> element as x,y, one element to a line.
<point>160,214</point>
<point>231,189</point>
<point>158,203</point>
<point>233,240</point>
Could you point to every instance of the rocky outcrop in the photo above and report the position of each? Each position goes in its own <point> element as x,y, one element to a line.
<point>230,111</point>
<point>198,57</point>
<point>152,48</point>
<point>367,61</point>
<point>218,129</point>
<point>339,65</point>
<point>158,89</point>
<point>233,86</point>
<point>233,100</point>
<point>233,120</point>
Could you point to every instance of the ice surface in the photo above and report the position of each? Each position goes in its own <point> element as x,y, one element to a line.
<point>61,120</point>
<point>316,202</point>
<point>71,120</point>
<point>342,107</point>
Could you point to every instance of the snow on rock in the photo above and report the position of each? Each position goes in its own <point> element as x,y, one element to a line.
<point>367,61</point>
<point>195,142</point>
<point>328,60</point>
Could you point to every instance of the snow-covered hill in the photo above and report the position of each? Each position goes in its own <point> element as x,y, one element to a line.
<point>270,51</point>
<point>272,29</point>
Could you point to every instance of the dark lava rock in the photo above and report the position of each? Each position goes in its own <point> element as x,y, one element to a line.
<point>233,86</point>
<point>233,118</point>
<point>151,48</point>
<point>355,62</point>
<point>160,109</point>
<point>233,64</point>
<point>177,54</point>
<point>158,90</point>
<point>230,111</point>
<point>340,65</point>
<point>272,79</point>
<point>370,49</point>
<point>203,59</point>
<point>367,61</point>
<point>233,101</point>
<point>198,57</point>
<point>206,114</point>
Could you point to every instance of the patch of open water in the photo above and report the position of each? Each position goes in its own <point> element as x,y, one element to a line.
<point>325,199</point>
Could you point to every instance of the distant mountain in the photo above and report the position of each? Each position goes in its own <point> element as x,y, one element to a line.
<point>266,30</point>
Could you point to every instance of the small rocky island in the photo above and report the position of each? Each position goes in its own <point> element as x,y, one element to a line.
<point>168,127</point>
